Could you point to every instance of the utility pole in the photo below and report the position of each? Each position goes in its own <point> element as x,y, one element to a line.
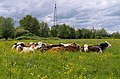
<point>55,14</point>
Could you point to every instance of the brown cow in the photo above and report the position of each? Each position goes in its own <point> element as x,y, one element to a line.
<point>71,48</point>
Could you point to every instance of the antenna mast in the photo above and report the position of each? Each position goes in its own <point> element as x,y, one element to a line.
<point>55,14</point>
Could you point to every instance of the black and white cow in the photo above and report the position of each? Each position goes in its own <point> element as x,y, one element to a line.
<point>96,48</point>
<point>104,45</point>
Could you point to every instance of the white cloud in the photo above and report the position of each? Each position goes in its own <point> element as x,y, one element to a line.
<point>78,13</point>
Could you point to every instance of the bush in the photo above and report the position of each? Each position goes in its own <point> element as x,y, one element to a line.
<point>55,38</point>
<point>98,37</point>
<point>27,38</point>
<point>50,38</point>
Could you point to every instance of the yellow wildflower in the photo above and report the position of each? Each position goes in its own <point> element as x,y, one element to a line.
<point>31,74</point>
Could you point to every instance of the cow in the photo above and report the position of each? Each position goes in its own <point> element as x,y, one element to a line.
<point>96,48</point>
<point>17,47</point>
<point>27,49</point>
<point>49,46</point>
<point>73,44</point>
<point>70,48</point>
<point>21,47</point>
<point>104,45</point>
<point>85,48</point>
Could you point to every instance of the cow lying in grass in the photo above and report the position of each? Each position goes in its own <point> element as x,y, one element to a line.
<point>73,47</point>
<point>96,48</point>
<point>69,47</point>
<point>31,47</point>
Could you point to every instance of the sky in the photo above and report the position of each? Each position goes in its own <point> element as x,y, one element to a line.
<point>76,13</point>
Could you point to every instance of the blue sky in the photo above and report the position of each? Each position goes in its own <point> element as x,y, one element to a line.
<point>77,13</point>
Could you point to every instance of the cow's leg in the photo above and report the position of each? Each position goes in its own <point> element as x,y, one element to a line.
<point>100,50</point>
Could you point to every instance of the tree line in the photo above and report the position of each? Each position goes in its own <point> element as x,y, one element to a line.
<point>30,26</point>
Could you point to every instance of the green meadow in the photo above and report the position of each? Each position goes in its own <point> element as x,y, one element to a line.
<point>60,65</point>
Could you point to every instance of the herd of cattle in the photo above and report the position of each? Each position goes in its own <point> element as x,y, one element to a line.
<point>73,47</point>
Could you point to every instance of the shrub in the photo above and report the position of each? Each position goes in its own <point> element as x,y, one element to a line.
<point>27,38</point>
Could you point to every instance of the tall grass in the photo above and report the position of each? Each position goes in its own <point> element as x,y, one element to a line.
<point>64,65</point>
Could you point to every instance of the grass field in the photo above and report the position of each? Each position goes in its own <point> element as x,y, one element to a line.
<point>64,65</point>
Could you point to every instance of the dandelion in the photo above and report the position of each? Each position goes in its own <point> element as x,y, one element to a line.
<point>35,65</point>
<point>44,77</point>
<point>84,68</point>
<point>75,75</point>
<point>31,74</point>
<point>38,76</point>
<point>73,66</point>
<point>66,65</point>
<point>95,77</point>
<point>69,70</point>
<point>85,77</point>
<point>9,69</point>
<point>81,77</point>
<point>80,57</point>
<point>64,72</point>
<point>14,62</point>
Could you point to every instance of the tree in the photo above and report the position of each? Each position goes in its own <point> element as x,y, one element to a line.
<point>19,31</point>
<point>63,31</point>
<point>86,33</point>
<point>102,32</point>
<point>6,27</point>
<point>54,31</point>
<point>116,34</point>
<point>79,33</point>
<point>72,33</point>
<point>93,32</point>
<point>43,29</point>
<point>30,23</point>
